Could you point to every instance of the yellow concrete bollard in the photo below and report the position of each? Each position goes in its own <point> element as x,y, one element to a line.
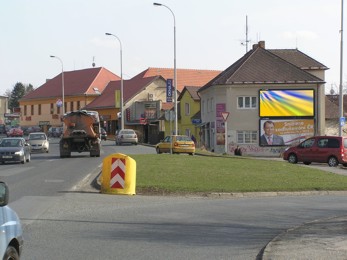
<point>118,174</point>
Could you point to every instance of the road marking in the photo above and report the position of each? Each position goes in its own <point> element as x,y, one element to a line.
<point>54,181</point>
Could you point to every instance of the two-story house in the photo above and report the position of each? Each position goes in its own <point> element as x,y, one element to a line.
<point>43,106</point>
<point>280,88</point>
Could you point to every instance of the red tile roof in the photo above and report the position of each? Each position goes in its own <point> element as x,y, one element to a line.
<point>167,106</point>
<point>130,87</point>
<point>185,77</point>
<point>77,82</point>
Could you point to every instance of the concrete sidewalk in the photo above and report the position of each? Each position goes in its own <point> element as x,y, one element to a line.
<point>321,239</point>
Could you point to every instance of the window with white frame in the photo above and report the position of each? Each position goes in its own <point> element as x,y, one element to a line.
<point>247,137</point>
<point>187,109</point>
<point>247,102</point>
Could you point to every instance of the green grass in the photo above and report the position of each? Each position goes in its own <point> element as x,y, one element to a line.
<point>165,173</point>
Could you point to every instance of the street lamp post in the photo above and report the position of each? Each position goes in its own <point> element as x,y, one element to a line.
<point>341,99</point>
<point>175,70</point>
<point>62,80</point>
<point>121,81</point>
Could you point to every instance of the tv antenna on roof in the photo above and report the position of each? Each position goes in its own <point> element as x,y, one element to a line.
<point>93,64</point>
<point>247,41</point>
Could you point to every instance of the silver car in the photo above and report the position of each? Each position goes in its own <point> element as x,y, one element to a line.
<point>14,149</point>
<point>38,142</point>
<point>126,136</point>
<point>11,239</point>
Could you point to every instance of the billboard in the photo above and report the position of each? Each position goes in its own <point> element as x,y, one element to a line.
<point>286,103</point>
<point>284,131</point>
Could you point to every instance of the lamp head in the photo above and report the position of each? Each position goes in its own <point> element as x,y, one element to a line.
<point>157,4</point>
<point>108,33</point>
<point>52,56</point>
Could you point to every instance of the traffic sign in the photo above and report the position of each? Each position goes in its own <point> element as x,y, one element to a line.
<point>225,115</point>
<point>117,173</point>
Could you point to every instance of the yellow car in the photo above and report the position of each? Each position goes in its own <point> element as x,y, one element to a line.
<point>176,144</point>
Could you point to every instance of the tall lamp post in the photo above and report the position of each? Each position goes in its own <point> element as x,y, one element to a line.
<point>121,81</point>
<point>62,80</point>
<point>175,71</point>
<point>341,99</point>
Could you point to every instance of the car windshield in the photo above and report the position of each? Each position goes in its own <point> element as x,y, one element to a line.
<point>37,137</point>
<point>183,138</point>
<point>127,132</point>
<point>10,143</point>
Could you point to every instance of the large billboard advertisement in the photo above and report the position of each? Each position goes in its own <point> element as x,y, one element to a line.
<point>280,132</point>
<point>286,103</point>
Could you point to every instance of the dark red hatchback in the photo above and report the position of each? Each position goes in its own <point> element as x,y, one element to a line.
<point>321,149</point>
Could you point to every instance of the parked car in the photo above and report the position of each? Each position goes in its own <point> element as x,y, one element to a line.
<point>11,239</point>
<point>320,149</point>
<point>103,134</point>
<point>2,129</point>
<point>38,142</point>
<point>14,149</point>
<point>55,131</point>
<point>32,129</point>
<point>15,132</point>
<point>126,136</point>
<point>176,144</point>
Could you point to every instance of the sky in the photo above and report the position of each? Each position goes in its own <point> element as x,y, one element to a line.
<point>210,34</point>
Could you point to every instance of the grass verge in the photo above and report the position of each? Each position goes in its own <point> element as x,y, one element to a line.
<point>165,173</point>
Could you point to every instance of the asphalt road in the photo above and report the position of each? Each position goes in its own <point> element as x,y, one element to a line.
<point>63,218</point>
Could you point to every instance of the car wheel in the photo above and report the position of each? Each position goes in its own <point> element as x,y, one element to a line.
<point>292,158</point>
<point>344,165</point>
<point>11,253</point>
<point>307,163</point>
<point>158,150</point>
<point>28,158</point>
<point>332,161</point>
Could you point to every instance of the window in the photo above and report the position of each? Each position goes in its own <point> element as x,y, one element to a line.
<point>39,109</point>
<point>247,137</point>
<point>32,109</point>
<point>187,109</point>
<point>58,110</point>
<point>78,105</point>
<point>71,106</point>
<point>25,110</point>
<point>247,102</point>
<point>52,108</point>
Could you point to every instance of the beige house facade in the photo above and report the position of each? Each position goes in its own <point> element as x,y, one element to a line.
<point>238,94</point>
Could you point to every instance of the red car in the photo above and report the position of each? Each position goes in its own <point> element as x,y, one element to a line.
<point>321,149</point>
<point>15,132</point>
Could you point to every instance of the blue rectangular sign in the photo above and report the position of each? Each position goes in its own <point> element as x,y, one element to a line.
<point>169,89</point>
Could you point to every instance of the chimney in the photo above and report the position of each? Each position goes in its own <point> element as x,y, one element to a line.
<point>260,44</point>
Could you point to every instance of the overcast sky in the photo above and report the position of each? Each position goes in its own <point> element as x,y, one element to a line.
<point>209,35</point>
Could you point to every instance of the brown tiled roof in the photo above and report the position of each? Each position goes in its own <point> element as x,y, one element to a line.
<point>130,87</point>
<point>185,77</point>
<point>260,66</point>
<point>298,58</point>
<point>193,92</point>
<point>77,82</point>
<point>167,106</point>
